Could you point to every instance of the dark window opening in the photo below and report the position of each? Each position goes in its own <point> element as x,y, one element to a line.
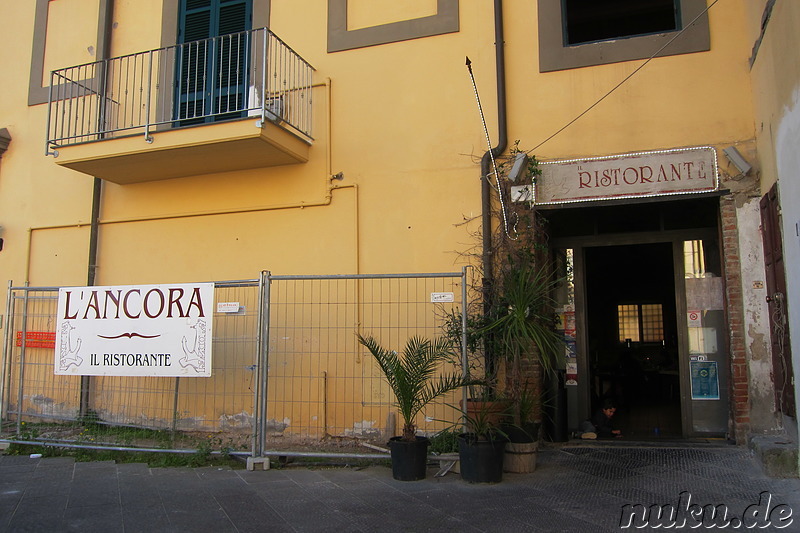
<point>599,20</point>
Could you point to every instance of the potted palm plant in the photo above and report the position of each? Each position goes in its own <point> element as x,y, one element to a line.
<point>522,323</point>
<point>521,326</point>
<point>412,377</point>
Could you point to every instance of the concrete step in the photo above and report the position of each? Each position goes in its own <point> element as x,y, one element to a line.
<point>778,455</point>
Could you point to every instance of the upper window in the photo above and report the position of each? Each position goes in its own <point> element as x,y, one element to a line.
<point>591,20</point>
<point>581,33</point>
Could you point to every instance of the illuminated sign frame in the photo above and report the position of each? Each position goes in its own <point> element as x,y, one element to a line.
<point>634,175</point>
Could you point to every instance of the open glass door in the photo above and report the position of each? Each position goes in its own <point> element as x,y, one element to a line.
<point>704,358</point>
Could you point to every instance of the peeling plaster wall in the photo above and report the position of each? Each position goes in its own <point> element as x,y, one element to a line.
<point>763,417</point>
<point>787,139</point>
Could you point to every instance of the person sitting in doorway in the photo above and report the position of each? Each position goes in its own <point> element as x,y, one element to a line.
<point>600,424</point>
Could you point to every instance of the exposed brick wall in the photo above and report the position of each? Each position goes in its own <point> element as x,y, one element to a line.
<point>531,372</point>
<point>740,423</point>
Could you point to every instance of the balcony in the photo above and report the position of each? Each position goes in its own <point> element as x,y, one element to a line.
<point>235,102</point>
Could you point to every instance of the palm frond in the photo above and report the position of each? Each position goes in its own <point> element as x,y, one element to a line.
<point>413,377</point>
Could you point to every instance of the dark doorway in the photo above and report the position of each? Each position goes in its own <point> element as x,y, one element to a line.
<point>632,337</point>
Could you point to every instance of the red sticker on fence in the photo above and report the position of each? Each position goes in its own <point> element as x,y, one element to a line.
<point>37,339</point>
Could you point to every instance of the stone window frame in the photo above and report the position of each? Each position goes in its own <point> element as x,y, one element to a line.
<point>38,91</point>
<point>555,55</point>
<point>340,38</point>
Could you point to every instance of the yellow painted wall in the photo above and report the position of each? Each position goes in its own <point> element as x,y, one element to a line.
<point>776,78</point>
<point>33,191</point>
<point>685,100</point>
<point>398,120</point>
<point>404,128</point>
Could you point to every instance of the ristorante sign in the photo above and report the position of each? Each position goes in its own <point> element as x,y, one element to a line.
<point>667,172</point>
<point>142,330</point>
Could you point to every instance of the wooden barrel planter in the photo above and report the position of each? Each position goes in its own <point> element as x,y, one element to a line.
<point>520,457</point>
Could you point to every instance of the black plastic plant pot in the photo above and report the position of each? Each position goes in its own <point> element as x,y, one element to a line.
<point>481,460</point>
<point>409,458</point>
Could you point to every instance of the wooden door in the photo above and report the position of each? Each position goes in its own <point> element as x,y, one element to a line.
<point>776,297</point>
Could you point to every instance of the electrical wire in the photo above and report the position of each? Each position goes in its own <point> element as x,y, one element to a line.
<point>629,76</point>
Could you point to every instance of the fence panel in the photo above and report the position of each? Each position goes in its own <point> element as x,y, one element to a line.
<point>324,388</point>
<point>121,411</point>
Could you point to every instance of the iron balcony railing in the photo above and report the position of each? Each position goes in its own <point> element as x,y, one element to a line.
<point>247,74</point>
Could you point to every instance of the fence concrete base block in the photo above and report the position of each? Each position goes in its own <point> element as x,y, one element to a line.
<point>448,462</point>
<point>253,461</point>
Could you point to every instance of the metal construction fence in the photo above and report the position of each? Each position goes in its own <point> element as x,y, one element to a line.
<point>288,373</point>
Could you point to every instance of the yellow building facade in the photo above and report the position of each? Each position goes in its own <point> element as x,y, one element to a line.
<point>353,142</point>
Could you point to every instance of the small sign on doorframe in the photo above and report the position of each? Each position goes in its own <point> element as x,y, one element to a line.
<point>442,297</point>
<point>228,307</point>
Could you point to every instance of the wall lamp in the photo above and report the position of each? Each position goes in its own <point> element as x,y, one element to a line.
<point>519,166</point>
<point>737,160</point>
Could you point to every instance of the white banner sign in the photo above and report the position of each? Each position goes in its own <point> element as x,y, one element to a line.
<point>666,172</point>
<point>141,330</point>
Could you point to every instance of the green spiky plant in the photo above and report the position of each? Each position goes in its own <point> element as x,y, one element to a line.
<point>522,324</point>
<point>412,375</point>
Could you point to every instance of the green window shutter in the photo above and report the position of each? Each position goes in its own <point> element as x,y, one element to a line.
<point>212,75</point>
<point>234,16</point>
<point>195,20</point>
<point>201,19</point>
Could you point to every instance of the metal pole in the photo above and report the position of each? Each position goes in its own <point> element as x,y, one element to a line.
<point>255,441</point>
<point>147,136</point>
<point>22,362</point>
<point>277,453</point>
<point>49,115</point>
<point>263,94</point>
<point>263,363</point>
<point>175,407</point>
<point>265,359</point>
<point>464,360</point>
<point>5,369</point>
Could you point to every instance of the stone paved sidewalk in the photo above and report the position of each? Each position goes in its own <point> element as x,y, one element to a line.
<point>574,488</point>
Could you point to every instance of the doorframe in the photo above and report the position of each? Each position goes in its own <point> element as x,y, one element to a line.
<point>676,238</point>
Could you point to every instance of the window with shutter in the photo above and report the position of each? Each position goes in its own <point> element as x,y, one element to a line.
<point>211,77</point>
